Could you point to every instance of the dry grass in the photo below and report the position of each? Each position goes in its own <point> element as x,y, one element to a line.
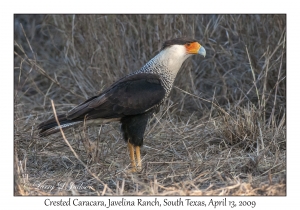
<point>222,131</point>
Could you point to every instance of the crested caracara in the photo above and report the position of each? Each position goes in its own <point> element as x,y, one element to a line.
<point>133,99</point>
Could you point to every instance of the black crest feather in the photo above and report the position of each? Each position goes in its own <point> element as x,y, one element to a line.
<point>179,41</point>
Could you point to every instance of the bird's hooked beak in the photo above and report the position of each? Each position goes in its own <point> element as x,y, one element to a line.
<point>202,51</point>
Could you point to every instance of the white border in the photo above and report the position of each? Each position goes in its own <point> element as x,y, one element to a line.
<point>54,6</point>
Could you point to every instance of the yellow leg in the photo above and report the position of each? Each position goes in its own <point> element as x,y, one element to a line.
<point>138,157</point>
<point>131,151</point>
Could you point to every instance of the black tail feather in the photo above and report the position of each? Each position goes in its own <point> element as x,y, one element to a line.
<point>50,126</point>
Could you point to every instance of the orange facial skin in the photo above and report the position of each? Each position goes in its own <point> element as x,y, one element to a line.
<point>192,48</point>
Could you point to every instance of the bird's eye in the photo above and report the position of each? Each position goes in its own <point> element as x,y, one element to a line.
<point>188,44</point>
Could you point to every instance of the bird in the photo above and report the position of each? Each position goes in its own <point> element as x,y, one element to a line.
<point>133,99</point>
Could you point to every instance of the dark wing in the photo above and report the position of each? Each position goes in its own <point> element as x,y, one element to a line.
<point>131,95</point>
